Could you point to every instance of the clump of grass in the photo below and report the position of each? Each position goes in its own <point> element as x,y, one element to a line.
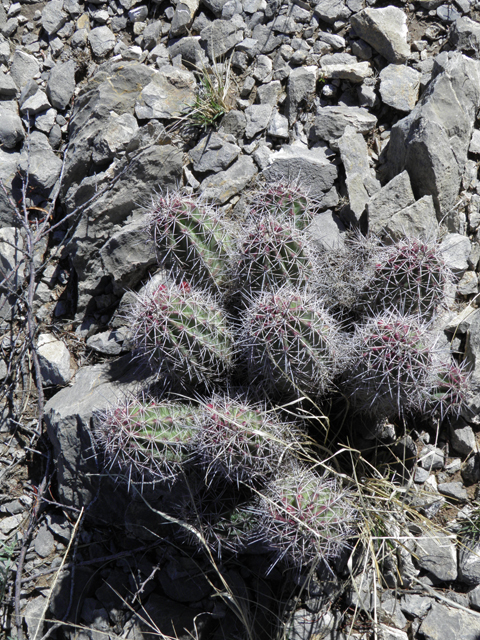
<point>211,101</point>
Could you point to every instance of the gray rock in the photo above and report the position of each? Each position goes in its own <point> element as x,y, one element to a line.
<point>462,438</point>
<point>472,357</point>
<point>305,624</point>
<point>311,166</point>
<point>360,178</point>
<point>168,94</point>
<point>233,123</point>
<point>265,40</point>
<point>390,633</point>
<point>353,72</point>
<point>417,220</point>
<point>54,359</point>
<point>24,68</point>
<point>269,93</point>
<point>263,69</point>
<point>285,24</point>
<point>45,120</point>
<point>332,10</point>
<point>327,231</point>
<point>226,184</point>
<point>44,543</point>
<point>219,37</point>
<point>4,50</point>
<point>331,122</point>
<point>11,129</point>
<point>258,116</point>
<point>432,458</point>
<point>8,172</point>
<point>114,137</point>
<point>432,141</point>
<point>188,47</point>
<point>102,41</point>
<point>465,36</point>
<point>33,615</point>
<point>391,613</point>
<point>35,104</point>
<point>214,152</point>
<point>61,84</point>
<point>421,475</point>
<point>151,35</point>
<point>301,85</point>
<point>385,30</point>
<point>215,6</point>
<point>438,556</point>
<point>448,13</point>
<point>108,342</point>
<point>278,127</point>
<point>12,260</point>
<point>399,86</point>
<point>454,490</point>
<point>471,467</point>
<point>415,605</point>
<point>455,250</point>
<point>183,17</point>
<point>42,164</point>
<point>7,85</point>
<point>474,598</point>
<point>444,622</point>
<point>394,196</point>
<point>53,17</point>
<point>468,285</point>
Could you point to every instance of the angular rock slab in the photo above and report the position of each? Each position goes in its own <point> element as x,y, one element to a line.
<point>214,152</point>
<point>444,622</point>
<point>169,93</point>
<point>394,196</point>
<point>438,556</point>
<point>226,184</point>
<point>465,36</point>
<point>418,220</point>
<point>432,142</point>
<point>331,122</point>
<point>399,86</point>
<point>385,30</point>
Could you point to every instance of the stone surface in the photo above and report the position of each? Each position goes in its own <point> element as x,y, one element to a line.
<point>454,490</point>
<point>455,250</point>
<point>394,196</point>
<point>219,37</point>
<point>24,67</point>
<point>7,85</point>
<point>465,36</point>
<point>114,137</point>
<point>61,84</point>
<point>226,184</point>
<point>168,94</point>
<point>54,360</point>
<point>258,116</point>
<point>44,542</point>
<point>399,86</point>
<point>417,220</point>
<point>353,72</point>
<point>11,129</point>
<point>42,164</point>
<point>385,30</point>
<point>431,458</point>
<point>12,263</point>
<point>110,343</point>
<point>444,622</point>
<point>214,152</point>
<point>462,438</point>
<point>332,10</point>
<point>102,41</point>
<point>301,85</point>
<point>331,122</point>
<point>327,230</point>
<point>53,17</point>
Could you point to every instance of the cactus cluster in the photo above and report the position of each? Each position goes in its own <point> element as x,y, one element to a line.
<point>256,303</point>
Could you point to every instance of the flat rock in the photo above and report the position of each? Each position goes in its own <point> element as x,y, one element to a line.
<point>465,36</point>
<point>385,30</point>
<point>219,37</point>
<point>331,122</point>
<point>455,250</point>
<point>214,152</point>
<point>353,72</point>
<point>438,556</point>
<point>327,230</point>
<point>35,104</point>
<point>399,86</point>
<point>258,116</point>
<point>332,10</point>
<point>168,94</point>
<point>61,84</point>
<point>444,622</point>
<point>102,40</point>
<point>431,458</point>
<point>114,137</point>
<point>54,360</point>
<point>226,184</point>
<point>417,220</point>
<point>394,196</point>
<point>44,542</point>
<point>53,17</point>
<point>11,129</point>
<point>42,164</point>
<point>462,438</point>
<point>301,85</point>
<point>454,490</point>
<point>7,85</point>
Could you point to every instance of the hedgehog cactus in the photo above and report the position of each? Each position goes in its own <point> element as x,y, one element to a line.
<point>288,200</point>
<point>306,518</point>
<point>395,356</point>
<point>410,275</point>
<point>273,252</point>
<point>240,442</point>
<point>183,333</point>
<point>194,237</point>
<point>146,439</point>
<point>449,387</point>
<point>293,344</point>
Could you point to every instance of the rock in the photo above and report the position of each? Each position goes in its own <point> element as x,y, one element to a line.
<point>42,164</point>
<point>45,121</point>
<point>233,123</point>
<point>447,13</point>
<point>278,126</point>
<point>181,581</point>
<point>312,166</point>
<point>465,36</point>
<point>455,250</point>
<point>8,173</point>
<point>415,605</point>
<point>183,17</point>
<point>35,104</point>
<point>114,138</point>
<point>432,141</point>
<point>394,196</point>
<point>301,85</point>
<point>264,40</point>
<point>219,37</point>
<point>12,265</point>
<point>24,67</point>
<point>462,438</point>
<point>226,184</point>
<point>7,85</point>
<point>399,86</point>
<point>151,35</point>
<point>44,542</point>
<point>263,69</point>
<point>11,129</point>
<point>54,360</point>
<point>444,622</point>
<point>53,17</point>
<point>360,178</point>
<point>188,47</point>
<point>474,598</point>
<point>468,284</point>
<point>102,41</point>
<point>385,30</point>
<point>390,611</point>
<point>61,84</point>
<point>454,490</point>
<point>258,116</point>
<point>331,122</point>
<point>33,616</point>
<point>432,458</point>
<point>214,152</point>
<point>4,50</point>
<point>354,72</point>
<point>331,11</point>
<point>327,231</point>
<point>108,342</point>
<point>417,220</point>
<point>390,633</point>
<point>305,624</point>
<point>168,94</point>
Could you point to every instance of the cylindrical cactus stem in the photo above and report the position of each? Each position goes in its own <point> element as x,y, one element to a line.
<point>293,345</point>
<point>450,383</point>
<point>273,252</point>
<point>306,518</point>
<point>285,199</point>
<point>395,355</point>
<point>241,442</point>
<point>410,275</point>
<point>182,333</point>
<point>147,440</point>
<point>193,236</point>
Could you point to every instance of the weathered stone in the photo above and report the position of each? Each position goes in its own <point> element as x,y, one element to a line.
<point>12,260</point>
<point>297,161</point>
<point>102,41</point>
<point>183,17</point>
<point>42,164</point>
<point>61,84</point>
<point>301,85</point>
<point>415,605</point>
<point>455,250</point>
<point>53,17</point>
<point>385,30</point>
<point>7,85</point>
<point>390,633</point>
<point>44,542</point>
<point>454,490</point>
<point>462,438</point>
<point>24,68</point>
<point>444,622</point>
<point>399,86</point>
<point>432,458</point>
<point>44,121</point>
<point>432,141</point>
<point>417,220</point>
<point>114,137</point>
<point>278,127</point>
<point>332,10</point>
<point>54,360</point>
<point>109,342</point>
<point>35,104</point>
<point>360,178</point>
<point>263,69</point>
<point>331,122</point>
<point>474,598</point>
<point>168,94</point>
<point>11,129</point>
<point>327,231</point>
<point>226,184</point>
<point>219,37</point>
<point>258,116</point>
<point>188,47</point>
<point>353,72</point>
<point>214,152</point>
<point>33,615</point>
<point>394,196</point>
<point>465,36</point>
